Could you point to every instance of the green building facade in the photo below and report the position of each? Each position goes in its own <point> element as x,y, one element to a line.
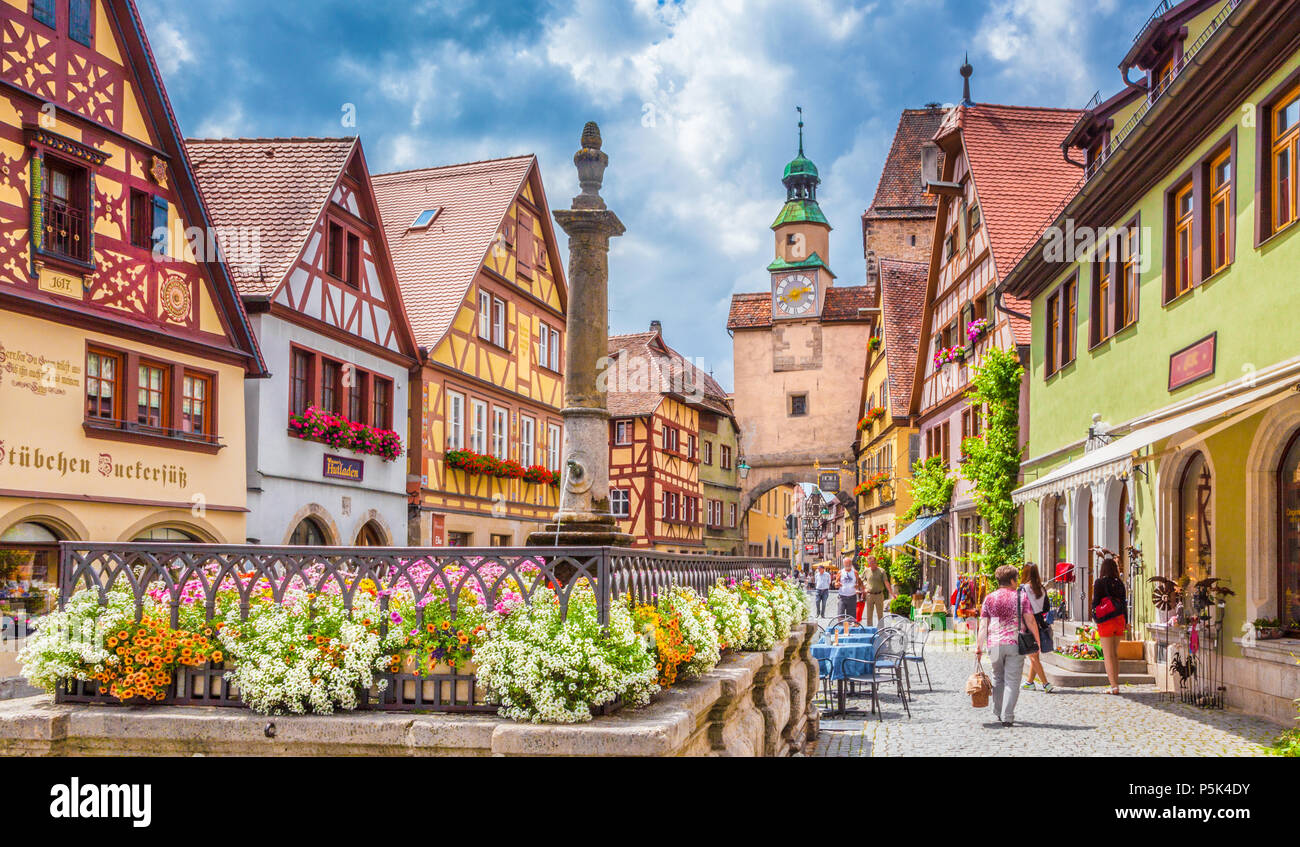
<point>1164,415</point>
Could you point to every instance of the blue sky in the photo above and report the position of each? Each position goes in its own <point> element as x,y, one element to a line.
<point>695,101</point>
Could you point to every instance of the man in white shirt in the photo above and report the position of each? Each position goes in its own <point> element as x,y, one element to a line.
<point>848,591</point>
<point>822,583</point>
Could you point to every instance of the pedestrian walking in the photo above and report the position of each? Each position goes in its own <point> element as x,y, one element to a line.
<point>875,588</point>
<point>1109,602</point>
<point>822,585</point>
<point>1037,594</point>
<point>848,592</point>
<point>1005,613</point>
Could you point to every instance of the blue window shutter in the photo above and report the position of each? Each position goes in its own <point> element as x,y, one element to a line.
<point>160,223</point>
<point>79,21</point>
<point>43,10</point>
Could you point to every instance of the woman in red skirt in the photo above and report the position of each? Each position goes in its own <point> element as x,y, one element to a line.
<point>1109,601</point>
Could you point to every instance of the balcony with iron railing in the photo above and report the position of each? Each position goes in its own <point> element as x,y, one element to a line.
<point>66,231</point>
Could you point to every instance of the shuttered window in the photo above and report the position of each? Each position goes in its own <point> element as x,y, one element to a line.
<point>79,21</point>
<point>43,11</point>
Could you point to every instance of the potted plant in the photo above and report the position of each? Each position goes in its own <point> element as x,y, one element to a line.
<point>1267,629</point>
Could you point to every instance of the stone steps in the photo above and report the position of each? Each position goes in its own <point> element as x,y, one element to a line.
<point>1074,673</point>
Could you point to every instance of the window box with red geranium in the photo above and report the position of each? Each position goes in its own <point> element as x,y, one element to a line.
<point>340,433</point>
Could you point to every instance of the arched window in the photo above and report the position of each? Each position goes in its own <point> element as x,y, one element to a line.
<point>1195,522</point>
<point>165,533</point>
<point>309,533</point>
<point>370,535</point>
<point>1288,564</point>
<point>1125,533</point>
<point>29,575</point>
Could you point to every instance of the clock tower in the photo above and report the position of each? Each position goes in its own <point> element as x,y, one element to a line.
<point>799,351</point>
<point>800,273</point>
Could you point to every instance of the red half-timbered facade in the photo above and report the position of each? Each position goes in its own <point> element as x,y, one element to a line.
<point>124,347</point>
<point>656,401</point>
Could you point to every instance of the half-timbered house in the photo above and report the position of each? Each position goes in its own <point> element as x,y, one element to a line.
<point>480,273</point>
<point>1001,178</point>
<point>123,345</point>
<point>327,312</point>
<point>657,400</point>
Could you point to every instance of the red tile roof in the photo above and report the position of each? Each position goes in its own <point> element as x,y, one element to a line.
<point>754,310</point>
<point>1021,178</point>
<point>899,193</point>
<point>750,310</point>
<point>844,301</point>
<point>668,372</point>
<point>1020,175</point>
<point>437,265</point>
<point>275,186</point>
<point>902,293</point>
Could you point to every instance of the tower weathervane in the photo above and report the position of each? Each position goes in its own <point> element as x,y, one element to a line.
<point>799,109</point>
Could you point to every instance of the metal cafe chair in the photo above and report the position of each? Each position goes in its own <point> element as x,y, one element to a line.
<point>914,654</point>
<point>885,666</point>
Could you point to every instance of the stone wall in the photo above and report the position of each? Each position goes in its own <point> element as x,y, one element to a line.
<point>752,704</point>
<point>1264,681</point>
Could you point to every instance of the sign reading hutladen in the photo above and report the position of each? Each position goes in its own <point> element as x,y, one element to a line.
<point>341,467</point>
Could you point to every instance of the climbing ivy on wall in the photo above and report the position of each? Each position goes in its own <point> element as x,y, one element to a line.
<point>993,458</point>
<point>931,487</point>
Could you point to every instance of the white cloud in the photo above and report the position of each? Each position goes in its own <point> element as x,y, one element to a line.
<point>226,122</point>
<point>170,48</point>
<point>1038,42</point>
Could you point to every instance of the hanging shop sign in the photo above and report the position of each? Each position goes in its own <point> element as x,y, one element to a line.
<point>341,467</point>
<point>1193,362</point>
<point>829,481</point>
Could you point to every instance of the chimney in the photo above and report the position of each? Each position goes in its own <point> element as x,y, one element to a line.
<point>929,163</point>
<point>657,327</point>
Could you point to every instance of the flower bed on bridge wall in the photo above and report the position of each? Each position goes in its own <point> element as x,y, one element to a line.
<point>466,635</point>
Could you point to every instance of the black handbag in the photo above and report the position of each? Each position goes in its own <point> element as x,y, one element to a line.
<point>1026,641</point>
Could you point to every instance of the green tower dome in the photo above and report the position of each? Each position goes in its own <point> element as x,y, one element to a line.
<point>800,166</point>
<point>800,180</point>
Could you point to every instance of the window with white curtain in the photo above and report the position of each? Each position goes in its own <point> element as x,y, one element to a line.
<point>553,447</point>
<point>455,420</point>
<point>478,430</point>
<point>500,431</point>
<point>526,436</point>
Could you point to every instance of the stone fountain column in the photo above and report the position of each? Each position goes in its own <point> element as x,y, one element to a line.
<point>584,518</point>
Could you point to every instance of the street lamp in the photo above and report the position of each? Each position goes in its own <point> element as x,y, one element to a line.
<point>742,467</point>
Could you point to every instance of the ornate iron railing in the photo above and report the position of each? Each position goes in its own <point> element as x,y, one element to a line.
<point>195,573</point>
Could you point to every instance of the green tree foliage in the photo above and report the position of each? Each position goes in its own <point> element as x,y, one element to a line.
<point>905,573</point>
<point>993,458</point>
<point>931,487</point>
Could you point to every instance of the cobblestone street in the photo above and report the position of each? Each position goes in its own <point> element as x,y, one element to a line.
<point>1078,721</point>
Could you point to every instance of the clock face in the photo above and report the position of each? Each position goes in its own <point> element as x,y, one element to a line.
<point>796,295</point>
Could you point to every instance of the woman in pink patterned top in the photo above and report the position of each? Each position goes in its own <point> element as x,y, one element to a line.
<point>1004,613</point>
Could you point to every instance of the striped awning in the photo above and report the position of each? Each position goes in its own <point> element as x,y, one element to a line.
<point>1115,460</point>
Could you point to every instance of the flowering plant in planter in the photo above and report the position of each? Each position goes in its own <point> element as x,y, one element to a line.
<point>146,655</point>
<point>471,462</point>
<point>342,434</point>
<point>860,489</point>
<point>976,329</point>
<point>944,355</point>
<point>874,344</point>
<point>661,631</point>
<point>544,667</point>
<point>699,629</point>
<point>307,655</point>
<point>731,616</point>
<point>540,475</point>
<point>762,618</point>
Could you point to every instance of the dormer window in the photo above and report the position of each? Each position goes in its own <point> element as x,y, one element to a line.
<point>425,218</point>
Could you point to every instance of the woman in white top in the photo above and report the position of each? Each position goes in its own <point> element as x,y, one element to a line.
<point>1037,594</point>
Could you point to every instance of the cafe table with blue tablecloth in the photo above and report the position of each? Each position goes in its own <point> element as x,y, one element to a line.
<point>835,647</point>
